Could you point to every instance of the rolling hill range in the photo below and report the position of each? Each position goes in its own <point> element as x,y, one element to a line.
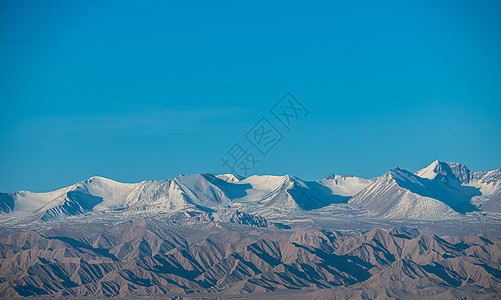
<point>218,256</point>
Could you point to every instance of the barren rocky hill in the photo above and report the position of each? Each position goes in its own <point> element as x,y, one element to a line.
<point>239,254</point>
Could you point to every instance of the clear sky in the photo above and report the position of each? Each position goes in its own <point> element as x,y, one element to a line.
<point>135,90</point>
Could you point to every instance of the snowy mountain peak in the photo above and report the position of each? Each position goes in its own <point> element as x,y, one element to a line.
<point>292,179</point>
<point>443,188</point>
<point>231,178</point>
<point>437,191</point>
<point>105,188</point>
<point>446,172</point>
<point>339,177</point>
<point>98,179</point>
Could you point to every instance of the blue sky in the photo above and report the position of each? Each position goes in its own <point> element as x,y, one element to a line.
<point>135,90</point>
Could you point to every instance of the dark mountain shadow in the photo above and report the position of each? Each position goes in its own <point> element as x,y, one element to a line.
<point>440,271</point>
<point>324,192</point>
<point>352,265</point>
<point>459,174</point>
<point>494,272</point>
<point>305,198</point>
<point>310,274</point>
<point>263,255</point>
<point>85,200</point>
<point>493,204</point>
<point>314,196</point>
<point>29,290</point>
<point>76,203</point>
<point>6,203</point>
<point>171,266</point>
<point>129,276</point>
<point>77,244</point>
<point>231,190</point>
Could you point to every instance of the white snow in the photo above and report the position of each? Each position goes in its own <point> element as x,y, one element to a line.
<point>427,194</point>
<point>261,186</point>
<point>429,172</point>
<point>229,178</point>
<point>344,185</point>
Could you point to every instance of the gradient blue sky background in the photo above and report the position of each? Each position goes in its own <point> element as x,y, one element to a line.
<point>153,89</point>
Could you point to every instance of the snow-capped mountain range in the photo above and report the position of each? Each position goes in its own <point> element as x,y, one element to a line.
<point>440,191</point>
<point>224,236</point>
